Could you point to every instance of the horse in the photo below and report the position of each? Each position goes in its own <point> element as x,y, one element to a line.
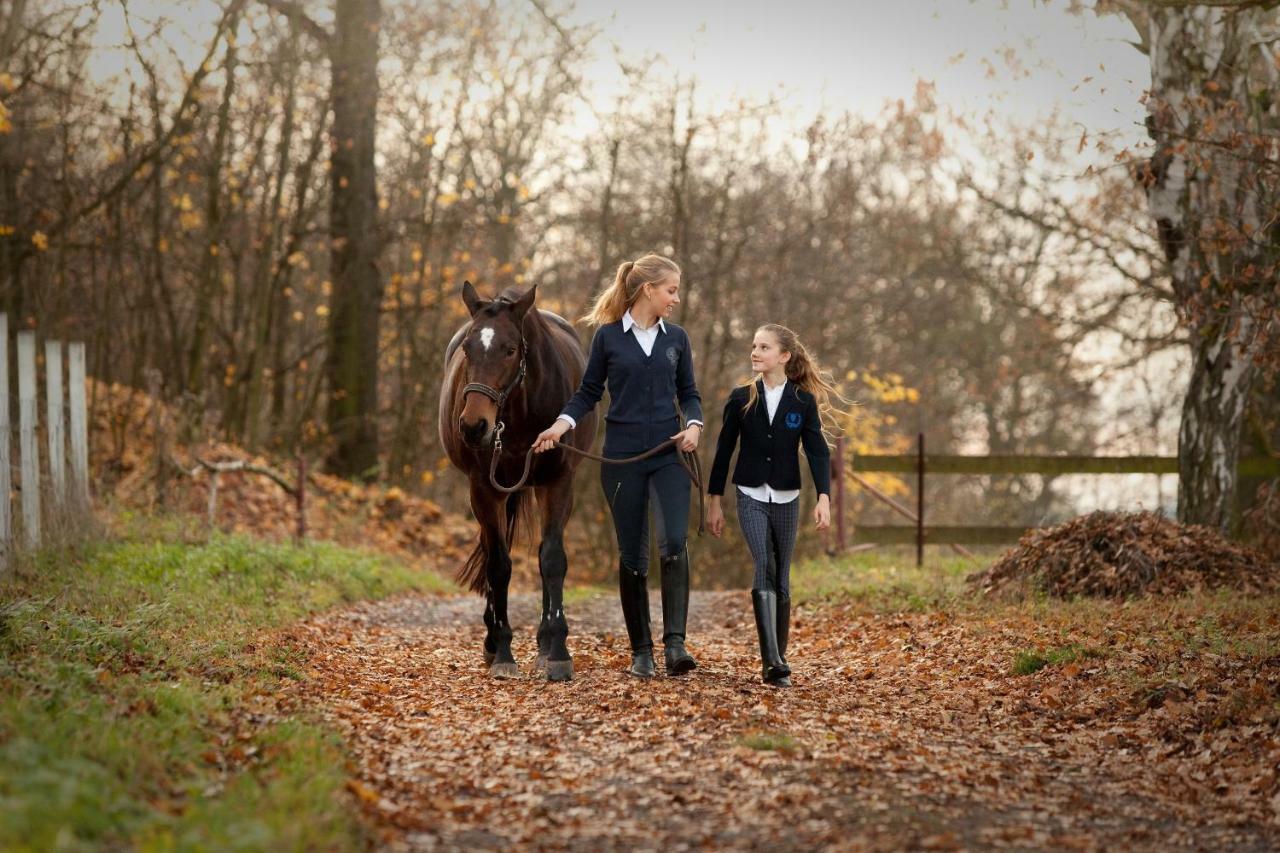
<point>509,370</point>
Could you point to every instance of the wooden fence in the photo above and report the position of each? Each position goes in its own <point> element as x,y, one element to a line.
<point>920,534</point>
<point>65,406</point>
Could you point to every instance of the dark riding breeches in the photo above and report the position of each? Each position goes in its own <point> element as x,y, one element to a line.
<point>659,483</point>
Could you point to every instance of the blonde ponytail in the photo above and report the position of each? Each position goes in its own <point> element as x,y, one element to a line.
<point>613,301</point>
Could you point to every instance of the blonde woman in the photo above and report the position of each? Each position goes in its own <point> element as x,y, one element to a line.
<point>771,417</point>
<point>646,363</point>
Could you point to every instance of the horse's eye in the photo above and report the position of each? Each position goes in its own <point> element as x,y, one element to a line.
<point>511,350</point>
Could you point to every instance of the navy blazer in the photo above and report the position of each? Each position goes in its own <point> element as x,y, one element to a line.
<point>770,451</point>
<point>643,389</point>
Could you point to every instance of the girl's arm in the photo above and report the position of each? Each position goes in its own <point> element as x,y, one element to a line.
<point>816,450</point>
<point>726,442</point>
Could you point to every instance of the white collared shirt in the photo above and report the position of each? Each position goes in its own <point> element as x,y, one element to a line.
<point>766,493</point>
<point>647,338</point>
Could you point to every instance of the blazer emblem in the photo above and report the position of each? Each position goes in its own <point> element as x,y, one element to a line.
<point>673,355</point>
<point>793,420</point>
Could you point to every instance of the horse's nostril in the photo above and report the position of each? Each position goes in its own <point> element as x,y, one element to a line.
<point>474,431</point>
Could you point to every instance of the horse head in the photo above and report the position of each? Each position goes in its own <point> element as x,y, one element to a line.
<point>496,349</point>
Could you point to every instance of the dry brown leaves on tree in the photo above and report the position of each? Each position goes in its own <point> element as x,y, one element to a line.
<point>1114,554</point>
<point>903,732</point>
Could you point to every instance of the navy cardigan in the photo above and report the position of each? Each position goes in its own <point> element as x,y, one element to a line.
<point>770,450</point>
<point>642,388</point>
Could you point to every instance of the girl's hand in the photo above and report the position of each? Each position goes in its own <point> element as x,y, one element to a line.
<point>822,512</point>
<point>688,438</point>
<point>547,439</point>
<point>715,517</point>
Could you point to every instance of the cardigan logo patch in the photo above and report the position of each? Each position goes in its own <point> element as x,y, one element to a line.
<point>673,355</point>
<point>793,420</point>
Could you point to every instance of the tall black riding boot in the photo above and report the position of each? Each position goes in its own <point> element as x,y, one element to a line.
<point>784,628</point>
<point>633,590</point>
<point>675,612</point>
<point>773,670</point>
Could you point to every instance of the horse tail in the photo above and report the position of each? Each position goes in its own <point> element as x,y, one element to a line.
<point>520,517</point>
<point>473,574</point>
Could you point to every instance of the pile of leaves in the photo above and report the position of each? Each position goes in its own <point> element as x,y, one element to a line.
<point>1262,522</point>
<point>1117,554</point>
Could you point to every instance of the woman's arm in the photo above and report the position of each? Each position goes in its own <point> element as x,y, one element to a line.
<point>591,389</point>
<point>686,387</point>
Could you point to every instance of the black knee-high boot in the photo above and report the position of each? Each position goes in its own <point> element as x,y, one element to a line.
<point>765,605</point>
<point>784,628</point>
<point>675,612</point>
<point>633,590</point>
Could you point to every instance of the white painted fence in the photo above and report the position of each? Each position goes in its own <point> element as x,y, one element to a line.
<point>63,401</point>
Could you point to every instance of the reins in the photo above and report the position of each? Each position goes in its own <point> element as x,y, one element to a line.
<point>688,461</point>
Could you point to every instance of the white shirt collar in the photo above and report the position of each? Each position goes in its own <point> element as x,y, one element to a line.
<point>777,390</point>
<point>628,321</point>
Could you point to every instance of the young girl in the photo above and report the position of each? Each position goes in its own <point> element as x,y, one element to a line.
<point>647,364</point>
<point>772,416</point>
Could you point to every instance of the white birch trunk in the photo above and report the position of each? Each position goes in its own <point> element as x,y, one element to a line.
<point>1195,184</point>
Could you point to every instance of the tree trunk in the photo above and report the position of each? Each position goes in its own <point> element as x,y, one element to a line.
<point>1203,195</point>
<point>357,290</point>
<point>210,263</point>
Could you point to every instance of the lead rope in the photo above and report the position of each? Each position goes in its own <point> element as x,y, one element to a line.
<point>688,461</point>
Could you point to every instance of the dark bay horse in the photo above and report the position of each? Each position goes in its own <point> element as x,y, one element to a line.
<point>508,371</point>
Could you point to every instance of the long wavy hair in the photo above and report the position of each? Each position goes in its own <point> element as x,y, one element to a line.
<point>613,301</point>
<point>803,369</point>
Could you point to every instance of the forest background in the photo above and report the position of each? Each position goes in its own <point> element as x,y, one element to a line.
<point>263,212</point>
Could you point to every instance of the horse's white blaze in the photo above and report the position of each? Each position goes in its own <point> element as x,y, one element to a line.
<point>486,337</point>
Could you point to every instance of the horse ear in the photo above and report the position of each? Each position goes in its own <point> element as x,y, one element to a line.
<point>524,303</point>
<point>471,298</point>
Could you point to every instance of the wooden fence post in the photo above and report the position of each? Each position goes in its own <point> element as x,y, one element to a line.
<point>6,486</point>
<point>27,439</point>
<point>79,427</point>
<point>301,497</point>
<point>53,397</point>
<point>920,502</point>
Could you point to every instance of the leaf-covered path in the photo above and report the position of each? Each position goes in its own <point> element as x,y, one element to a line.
<point>902,730</point>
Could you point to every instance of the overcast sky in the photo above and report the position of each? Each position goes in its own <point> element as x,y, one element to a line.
<point>857,55</point>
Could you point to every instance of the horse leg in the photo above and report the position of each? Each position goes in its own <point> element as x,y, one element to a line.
<point>556,501</point>
<point>490,512</point>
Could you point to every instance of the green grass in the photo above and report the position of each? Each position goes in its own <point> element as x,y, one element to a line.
<point>1027,662</point>
<point>767,741</point>
<point>883,580</point>
<point>131,681</point>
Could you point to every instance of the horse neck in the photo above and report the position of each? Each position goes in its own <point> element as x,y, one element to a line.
<point>539,362</point>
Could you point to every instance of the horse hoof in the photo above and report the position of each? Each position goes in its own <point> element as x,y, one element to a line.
<point>540,663</point>
<point>504,670</point>
<point>560,670</point>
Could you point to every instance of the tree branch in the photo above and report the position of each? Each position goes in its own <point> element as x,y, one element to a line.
<point>297,16</point>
